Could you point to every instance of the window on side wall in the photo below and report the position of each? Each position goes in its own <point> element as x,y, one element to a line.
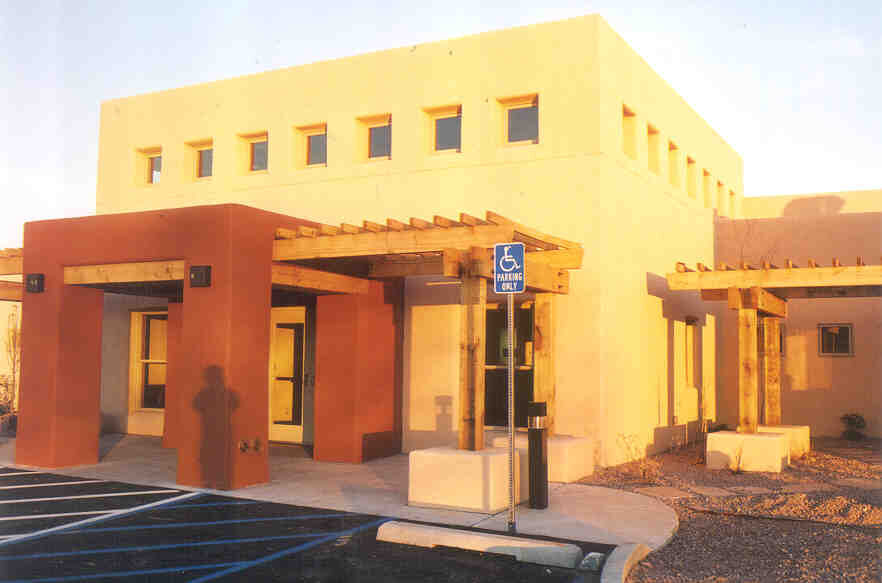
<point>521,119</point>
<point>154,169</point>
<point>380,141</point>
<point>835,340</point>
<point>448,133</point>
<point>259,155</point>
<point>317,149</point>
<point>205,162</point>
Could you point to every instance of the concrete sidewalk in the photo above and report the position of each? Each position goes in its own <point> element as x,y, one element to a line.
<point>576,511</point>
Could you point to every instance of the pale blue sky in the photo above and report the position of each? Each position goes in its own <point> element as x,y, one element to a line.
<point>794,86</point>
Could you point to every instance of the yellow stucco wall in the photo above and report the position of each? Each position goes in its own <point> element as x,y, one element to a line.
<point>616,332</point>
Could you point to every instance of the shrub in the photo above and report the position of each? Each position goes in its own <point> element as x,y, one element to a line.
<point>853,422</point>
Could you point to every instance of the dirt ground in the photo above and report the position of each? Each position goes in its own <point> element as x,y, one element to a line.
<point>819,520</point>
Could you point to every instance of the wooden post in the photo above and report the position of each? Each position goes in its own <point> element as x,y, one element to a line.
<point>543,354</point>
<point>748,371</point>
<point>472,355</point>
<point>772,362</point>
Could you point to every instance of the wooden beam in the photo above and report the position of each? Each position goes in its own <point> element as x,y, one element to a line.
<point>856,291</point>
<point>748,373</point>
<point>394,225</point>
<point>544,388</point>
<point>772,370</point>
<point>774,278</point>
<point>300,277</point>
<point>349,229</point>
<point>471,221</point>
<point>445,264</point>
<point>390,243</point>
<point>445,222</point>
<point>11,265</point>
<point>125,272</point>
<point>541,276</point>
<point>328,230</point>
<point>421,224</point>
<point>472,358</point>
<point>374,227</point>
<point>531,236</point>
<point>11,291</point>
<point>754,298</point>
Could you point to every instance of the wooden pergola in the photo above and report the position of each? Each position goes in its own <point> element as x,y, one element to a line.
<point>325,259</point>
<point>448,248</point>
<point>760,294</point>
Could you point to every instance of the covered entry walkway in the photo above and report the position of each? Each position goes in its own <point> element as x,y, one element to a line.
<point>221,268</point>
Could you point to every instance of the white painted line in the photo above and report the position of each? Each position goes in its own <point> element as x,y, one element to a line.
<point>52,484</point>
<point>109,515</point>
<point>33,516</point>
<point>24,500</point>
<point>20,474</point>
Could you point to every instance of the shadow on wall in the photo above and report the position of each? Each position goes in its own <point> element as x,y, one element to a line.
<point>813,206</point>
<point>445,432</point>
<point>215,403</point>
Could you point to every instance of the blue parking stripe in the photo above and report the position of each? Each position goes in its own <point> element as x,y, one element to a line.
<point>207,523</point>
<point>293,550</point>
<point>238,503</point>
<point>182,568</point>
<point>141,548</point>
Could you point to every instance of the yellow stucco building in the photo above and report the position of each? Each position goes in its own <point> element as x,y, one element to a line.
<point>617,162</point>
<point>559,126</point>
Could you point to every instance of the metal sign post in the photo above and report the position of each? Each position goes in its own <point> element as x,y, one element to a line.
<point>510,278</point>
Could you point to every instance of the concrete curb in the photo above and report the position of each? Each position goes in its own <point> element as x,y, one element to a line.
<point>620,562</point>
<point>541,552</point>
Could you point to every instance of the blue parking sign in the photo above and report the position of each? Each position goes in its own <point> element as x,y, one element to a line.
<point>509,276</point>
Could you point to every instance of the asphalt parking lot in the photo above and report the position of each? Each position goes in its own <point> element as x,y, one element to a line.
<point>61,528</point>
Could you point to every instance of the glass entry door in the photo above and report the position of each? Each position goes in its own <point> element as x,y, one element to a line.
<point>286,414</point>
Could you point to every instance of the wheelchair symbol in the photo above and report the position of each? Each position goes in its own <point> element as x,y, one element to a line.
<point>507,262</point>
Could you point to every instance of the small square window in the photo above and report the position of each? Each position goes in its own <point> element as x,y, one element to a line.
<point>206,160</point>
<point>154,169</point>
<point>259,154</point>
<point>448,133</point>
<point>835,340</point>
<point>523,123</point>
<point>317,149</point>
<point>380,141</point>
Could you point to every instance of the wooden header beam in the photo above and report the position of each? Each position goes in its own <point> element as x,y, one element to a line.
<point>754,298</point>
<point>11,291</point>
<point>10,262</point>
<point>542,274</point>
<point>862,275</point>
<point>445,264</point>
<point>125,272</point>
<point>315,280</point>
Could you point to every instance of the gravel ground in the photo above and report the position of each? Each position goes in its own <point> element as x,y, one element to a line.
<point>810,526</point>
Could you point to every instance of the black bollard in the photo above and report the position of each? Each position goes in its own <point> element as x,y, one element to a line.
<point>538,454</point>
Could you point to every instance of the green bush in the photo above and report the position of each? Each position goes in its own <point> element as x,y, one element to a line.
<point>853,422</point>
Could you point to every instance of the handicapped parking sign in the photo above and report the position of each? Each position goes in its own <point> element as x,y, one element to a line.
<point>509,276</point>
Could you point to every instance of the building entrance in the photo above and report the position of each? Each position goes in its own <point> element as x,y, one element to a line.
<point>287,410</point>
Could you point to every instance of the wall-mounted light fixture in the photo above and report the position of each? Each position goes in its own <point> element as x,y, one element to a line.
<point>200,276</point>
<point>35,283</point>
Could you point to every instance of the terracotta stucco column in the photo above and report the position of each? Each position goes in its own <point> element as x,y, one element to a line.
<point>59,412</point>
<point>355,418</point>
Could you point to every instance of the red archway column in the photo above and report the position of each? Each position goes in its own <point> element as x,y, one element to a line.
<point>60,413</point>
<point>355,390</point>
